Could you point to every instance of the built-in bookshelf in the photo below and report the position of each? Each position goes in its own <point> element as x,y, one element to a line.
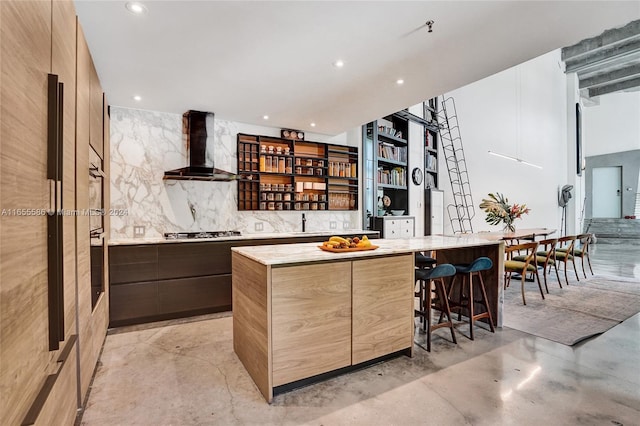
<point>431,144</point>
<point>386,159</point>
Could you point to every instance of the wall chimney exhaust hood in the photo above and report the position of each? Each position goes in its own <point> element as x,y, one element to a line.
<point>194,125</point>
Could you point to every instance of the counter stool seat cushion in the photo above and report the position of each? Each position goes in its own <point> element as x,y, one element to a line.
<point>480,264</point>
<point>423,261</point>
<point>440,271</point>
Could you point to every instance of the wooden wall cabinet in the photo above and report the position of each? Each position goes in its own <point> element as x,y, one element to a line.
<point>91,127</point>
<point>281,174</point>
<point>39,375</point>
<point>38,379</point>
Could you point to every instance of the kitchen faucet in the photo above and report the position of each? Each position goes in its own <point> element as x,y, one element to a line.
<point>304,222</point>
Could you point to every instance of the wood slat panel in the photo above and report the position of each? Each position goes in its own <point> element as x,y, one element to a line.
<point>96,100</point>
<point>252,320</point>
<point>25,49</point>
<point>311,320</point>
<point>382,306</point>
<point>106,193</point>
<point>60,408</point>
<point>63,60</point>
<point>92,320</point>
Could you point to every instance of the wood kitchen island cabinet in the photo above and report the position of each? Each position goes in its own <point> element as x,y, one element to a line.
<point>300,314</point>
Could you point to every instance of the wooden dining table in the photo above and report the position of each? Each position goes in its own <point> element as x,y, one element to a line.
<point>518,234</point>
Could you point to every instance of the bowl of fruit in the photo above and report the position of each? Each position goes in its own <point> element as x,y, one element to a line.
<point>339,244</point>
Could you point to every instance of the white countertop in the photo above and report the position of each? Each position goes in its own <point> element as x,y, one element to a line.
<point>257,236</point>
<point>309,252</point>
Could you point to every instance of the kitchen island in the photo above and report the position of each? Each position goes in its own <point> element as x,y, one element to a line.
<point>300,313</point>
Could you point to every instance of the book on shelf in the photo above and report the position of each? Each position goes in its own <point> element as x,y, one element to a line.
<point>432,162</point>
<point>429,181</point>
<point>391,152</point>
<point>396,176</point>
<point>430,140</point>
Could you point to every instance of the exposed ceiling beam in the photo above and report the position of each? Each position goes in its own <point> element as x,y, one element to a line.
<point>615,87</point>
<point>608,77</point>
<point>603,55</point>
<point>606,38</point>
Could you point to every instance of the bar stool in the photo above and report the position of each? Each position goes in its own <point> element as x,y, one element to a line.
<point>424,262</point>
<point>440,302</point>
<point>467,300</point>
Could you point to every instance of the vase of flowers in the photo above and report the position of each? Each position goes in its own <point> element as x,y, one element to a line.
<point>500,211</point>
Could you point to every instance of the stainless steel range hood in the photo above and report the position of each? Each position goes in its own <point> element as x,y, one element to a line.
<point>194,125</point>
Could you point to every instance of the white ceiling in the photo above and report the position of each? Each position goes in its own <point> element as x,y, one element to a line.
<point>243,59</point>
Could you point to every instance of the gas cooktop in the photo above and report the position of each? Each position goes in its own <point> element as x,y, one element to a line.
<point>202,234</point>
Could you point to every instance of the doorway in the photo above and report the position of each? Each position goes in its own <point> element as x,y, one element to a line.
<point>607,192</point>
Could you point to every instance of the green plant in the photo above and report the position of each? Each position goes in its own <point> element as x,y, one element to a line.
<point>500,211</point>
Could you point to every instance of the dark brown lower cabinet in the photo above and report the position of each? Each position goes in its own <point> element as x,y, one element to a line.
<point>151,282</point>
<point>192,294</point>
<point>133,301</point>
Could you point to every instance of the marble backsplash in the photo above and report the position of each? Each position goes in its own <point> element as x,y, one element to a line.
<point>144,144</point>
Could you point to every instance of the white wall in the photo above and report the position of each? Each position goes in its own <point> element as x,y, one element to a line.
<point>520,112</point>
<point>613,125</point>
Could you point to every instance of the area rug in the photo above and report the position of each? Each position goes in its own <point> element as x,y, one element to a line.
<point>574,313</point>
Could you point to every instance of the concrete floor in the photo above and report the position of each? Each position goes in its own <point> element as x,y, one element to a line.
<point>186,373</point>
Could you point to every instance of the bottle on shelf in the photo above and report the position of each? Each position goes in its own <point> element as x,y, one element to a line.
<point>263,151</point>
<point>268,166</point>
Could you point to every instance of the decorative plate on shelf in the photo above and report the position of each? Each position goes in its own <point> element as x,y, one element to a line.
<point>295,135</point>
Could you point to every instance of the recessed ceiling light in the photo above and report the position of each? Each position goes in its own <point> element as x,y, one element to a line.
<point>137,98</point>
<point>265,117</point>
<point>399,82</point>
<point>135,7</point>
<point>339,63</point>
<point>313,124</point>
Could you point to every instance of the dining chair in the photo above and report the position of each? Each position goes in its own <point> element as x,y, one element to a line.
<point>545,258</point>
<point>582,252</point>
<point>562,254</point>
<point>527,252</point>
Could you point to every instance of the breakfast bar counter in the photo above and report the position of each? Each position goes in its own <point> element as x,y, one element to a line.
<point>300,313</point>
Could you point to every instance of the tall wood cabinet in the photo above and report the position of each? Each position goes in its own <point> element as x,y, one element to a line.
<point>41,302</point>
<point>91,126</point>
